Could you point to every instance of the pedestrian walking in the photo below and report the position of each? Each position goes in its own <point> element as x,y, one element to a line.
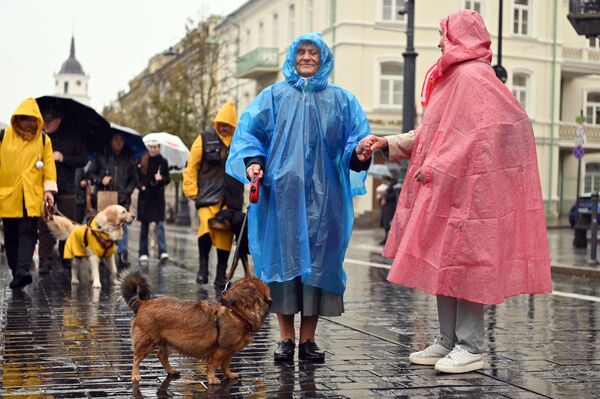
<point>69,154</point>
<point>205,181</point>
<point>81,185</point>
<point>115,170</point>
<point>469,226</point>
<point>301,135</point>
<point>27,179</point>
<point>153,176</point>
<point>387,196</point>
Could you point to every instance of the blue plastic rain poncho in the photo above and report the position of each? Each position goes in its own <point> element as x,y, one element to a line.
<point>306,129</point>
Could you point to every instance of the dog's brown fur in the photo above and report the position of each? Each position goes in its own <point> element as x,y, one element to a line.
<point>199,329</point>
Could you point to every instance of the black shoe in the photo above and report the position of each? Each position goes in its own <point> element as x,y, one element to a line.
<point>285,351</point>
<point>20,281</point>
<point>309,351</point>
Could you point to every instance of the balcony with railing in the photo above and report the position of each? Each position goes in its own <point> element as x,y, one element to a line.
<point>581,60</point>
<point>259,63</point>
<point>568,131</point>
<point>584,15</point>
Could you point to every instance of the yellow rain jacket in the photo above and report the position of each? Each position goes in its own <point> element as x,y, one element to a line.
<point>20,179</point>
<point>83,237</point>
<point>220,239</point>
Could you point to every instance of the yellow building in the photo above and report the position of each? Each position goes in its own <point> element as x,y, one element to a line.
<point>554,73</point>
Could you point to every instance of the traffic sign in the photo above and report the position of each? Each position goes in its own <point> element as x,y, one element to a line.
<point>578,152</point>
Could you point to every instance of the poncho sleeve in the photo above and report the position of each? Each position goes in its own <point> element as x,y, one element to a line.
<point>251,137</point>
<point>357,127</point>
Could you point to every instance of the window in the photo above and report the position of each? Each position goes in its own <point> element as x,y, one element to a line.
<point>275,35</point>
<point>390,84</point>
<point>310,15</point>
<point>66,88</point>
<point>261,34</point>
<point>594,42</point>
<point>389,10</point>
<point>519,88</point>
<point>292,22</point>
<point>521,17</point>
<point>78,83</point>
<point>592,108</point>
<point>474,5</point>
<point>592,177</point>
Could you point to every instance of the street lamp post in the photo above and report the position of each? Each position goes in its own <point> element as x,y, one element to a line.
<point>410,56</point>
<point>498,68</point>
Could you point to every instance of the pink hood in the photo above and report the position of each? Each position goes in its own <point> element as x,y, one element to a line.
<point>474,227</point>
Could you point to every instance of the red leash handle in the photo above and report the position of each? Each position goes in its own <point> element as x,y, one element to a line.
<point>254,189</point>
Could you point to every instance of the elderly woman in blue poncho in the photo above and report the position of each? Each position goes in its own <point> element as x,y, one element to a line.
<point>301,136</point>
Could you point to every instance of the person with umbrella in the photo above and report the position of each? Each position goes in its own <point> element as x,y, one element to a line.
<point>153,176</point>
<point>27,179</point>
<point>205,181</point>
<point>114,170</point>
<point>301,135</point>
<point>69,154</point>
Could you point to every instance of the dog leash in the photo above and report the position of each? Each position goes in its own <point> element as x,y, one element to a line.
<point>254,194</point>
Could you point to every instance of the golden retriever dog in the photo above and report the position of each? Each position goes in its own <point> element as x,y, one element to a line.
<point>94,241</point>
<point>196,328</point>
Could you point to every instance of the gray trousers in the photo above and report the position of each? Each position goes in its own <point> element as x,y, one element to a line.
<point>461,322</point>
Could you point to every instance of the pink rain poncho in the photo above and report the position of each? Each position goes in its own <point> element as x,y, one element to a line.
<point>474,227</point>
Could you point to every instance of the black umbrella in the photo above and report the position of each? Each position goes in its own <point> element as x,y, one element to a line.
<point>78,119</point>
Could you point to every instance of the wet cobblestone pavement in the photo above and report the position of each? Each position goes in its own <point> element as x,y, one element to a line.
<point>62,342</point>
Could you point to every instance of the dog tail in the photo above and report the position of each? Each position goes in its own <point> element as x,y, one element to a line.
<point>133,287</point>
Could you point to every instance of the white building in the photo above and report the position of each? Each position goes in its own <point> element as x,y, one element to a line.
<point>71,81</point>
<point>553,72</point>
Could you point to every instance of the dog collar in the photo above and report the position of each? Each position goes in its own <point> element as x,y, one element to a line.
<point>245,322</point>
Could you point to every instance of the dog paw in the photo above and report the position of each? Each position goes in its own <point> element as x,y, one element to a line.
<point>213,380</point>
<point>232,376</point>
<point>74,282</point>
<point>173,372</point>
<point>135,377</point>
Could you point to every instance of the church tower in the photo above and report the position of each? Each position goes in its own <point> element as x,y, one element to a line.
<point>71,81</point>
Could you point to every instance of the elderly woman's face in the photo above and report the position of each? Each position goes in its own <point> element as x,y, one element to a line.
<point>308,59</point>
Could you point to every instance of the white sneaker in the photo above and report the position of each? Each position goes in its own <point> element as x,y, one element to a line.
<point>164,256</point>
<point>460,361</point>
<point>143,258</point>
<point>430,355</point>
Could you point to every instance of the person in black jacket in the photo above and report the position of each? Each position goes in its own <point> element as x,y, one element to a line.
<point>69,154</point>
<point>153,175</point>
<point>115,170</point>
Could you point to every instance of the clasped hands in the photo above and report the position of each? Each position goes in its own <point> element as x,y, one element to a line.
<point>364,151</point>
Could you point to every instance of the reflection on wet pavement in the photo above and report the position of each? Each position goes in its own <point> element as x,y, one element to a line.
<point>59,342</point>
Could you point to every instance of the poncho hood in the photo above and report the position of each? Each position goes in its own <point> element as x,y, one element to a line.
<point>29,107</point>
<point>465,38</point>
<point>319,80</point>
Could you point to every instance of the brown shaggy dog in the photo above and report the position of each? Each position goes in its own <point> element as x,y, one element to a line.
<point>199,329</point>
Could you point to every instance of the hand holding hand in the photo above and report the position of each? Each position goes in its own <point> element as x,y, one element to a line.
<point>254,169</point>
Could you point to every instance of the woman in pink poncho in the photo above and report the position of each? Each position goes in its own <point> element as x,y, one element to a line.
<point>469,226</point>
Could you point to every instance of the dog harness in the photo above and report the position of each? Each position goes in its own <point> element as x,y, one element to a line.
<point>88,236</point>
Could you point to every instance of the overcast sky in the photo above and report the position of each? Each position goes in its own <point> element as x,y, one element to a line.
<point>114,39</point>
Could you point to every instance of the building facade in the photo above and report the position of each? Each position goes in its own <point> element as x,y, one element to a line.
<point>71,81</point>
<point>554,73</point>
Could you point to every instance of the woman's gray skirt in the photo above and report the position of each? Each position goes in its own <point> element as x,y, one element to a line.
<point>291,297</point>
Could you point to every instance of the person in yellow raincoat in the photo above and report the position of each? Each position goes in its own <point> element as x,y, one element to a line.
<point>27,179</point>
<point>205,181</point>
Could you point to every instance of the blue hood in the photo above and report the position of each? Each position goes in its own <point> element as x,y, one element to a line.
<point>318,81</point>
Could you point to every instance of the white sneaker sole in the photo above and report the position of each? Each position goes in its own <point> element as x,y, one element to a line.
<point>424,361</point>
<point>477,365</point>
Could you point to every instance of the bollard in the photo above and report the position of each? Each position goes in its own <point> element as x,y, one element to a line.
<point>594,230</point>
